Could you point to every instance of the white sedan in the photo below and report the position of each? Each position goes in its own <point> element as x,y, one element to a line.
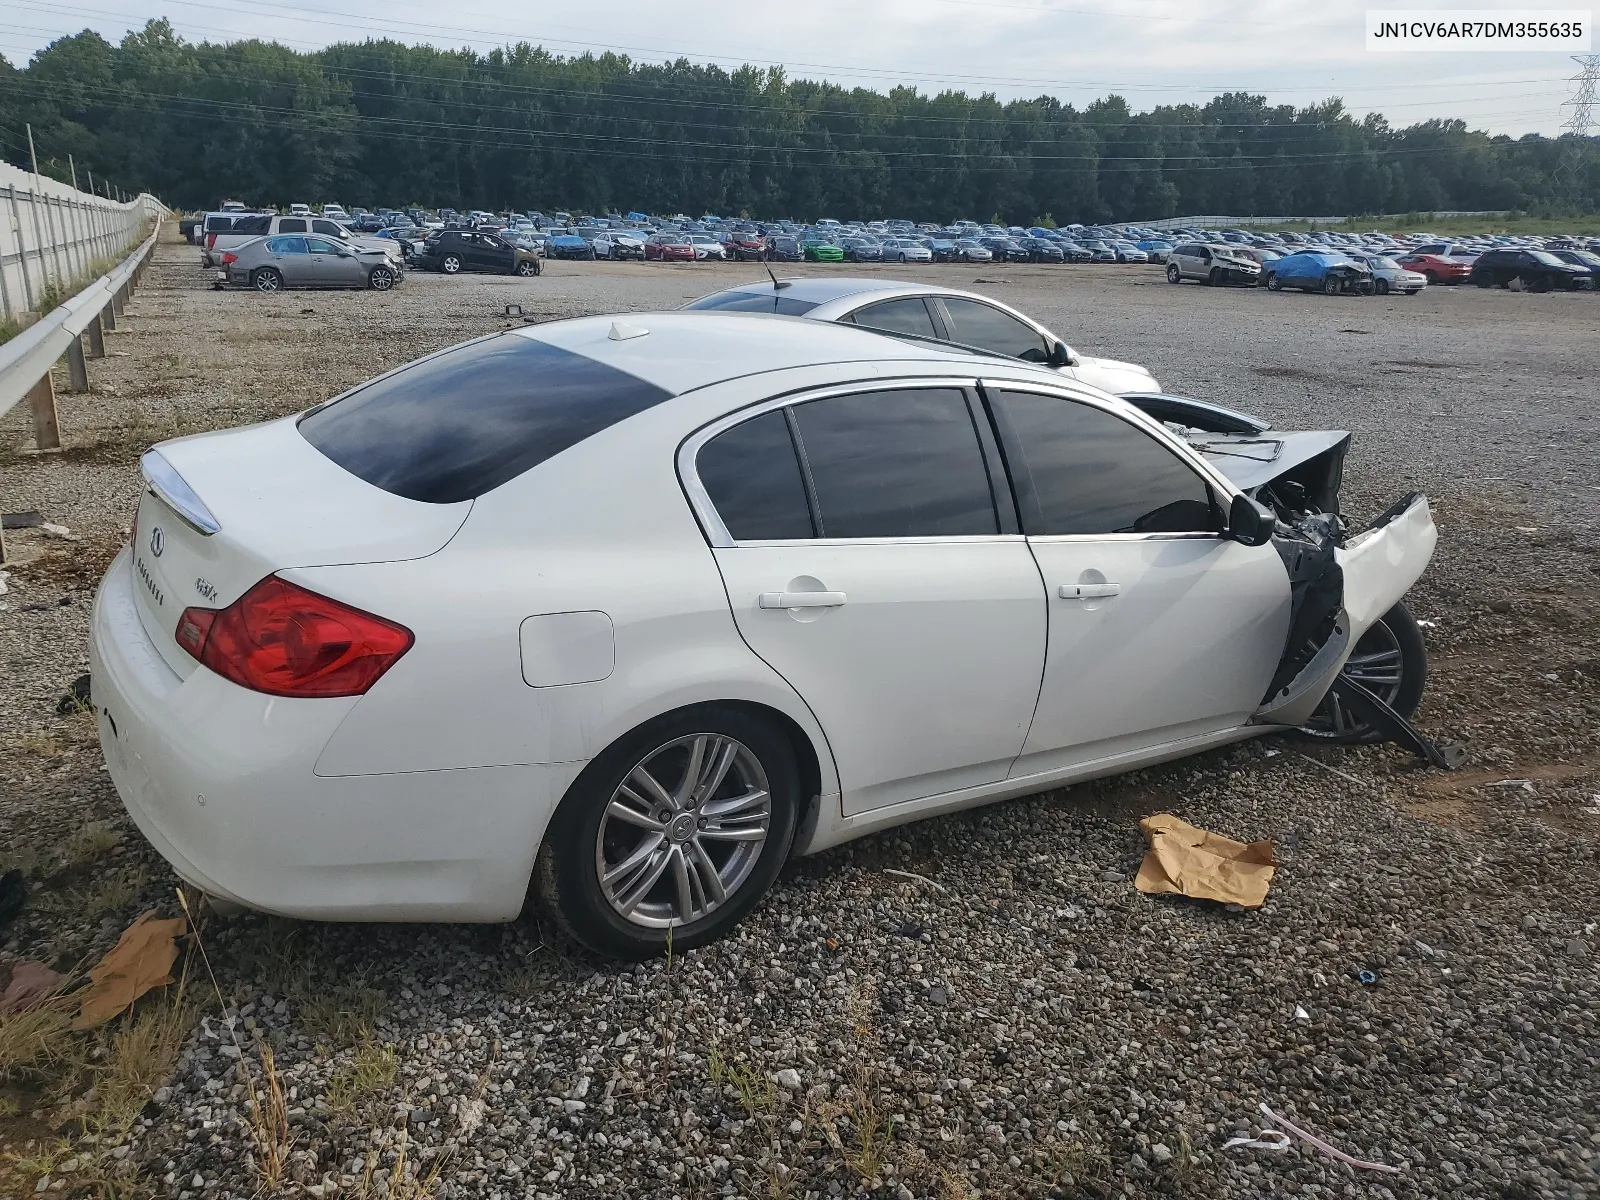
<point>936,313</point>
<point>633,609</point>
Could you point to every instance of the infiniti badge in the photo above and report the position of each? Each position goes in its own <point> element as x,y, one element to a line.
<point>157,541</point>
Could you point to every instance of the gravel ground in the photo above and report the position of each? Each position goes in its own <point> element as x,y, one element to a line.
<point>1018,1021</point>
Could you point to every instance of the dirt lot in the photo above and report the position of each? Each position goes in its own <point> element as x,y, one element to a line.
<point>1022,1024</point>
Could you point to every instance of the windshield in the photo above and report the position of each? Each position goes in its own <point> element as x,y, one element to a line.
<point>1545,257</point>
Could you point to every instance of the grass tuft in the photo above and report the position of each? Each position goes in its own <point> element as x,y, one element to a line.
<point>361,1083</point>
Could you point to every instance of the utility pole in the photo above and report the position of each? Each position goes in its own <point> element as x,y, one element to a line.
<point>34,158</point>
<point>73,167</point>
<point>91,180</point>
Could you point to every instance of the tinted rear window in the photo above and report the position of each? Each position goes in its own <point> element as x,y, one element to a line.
<point>766,302</point>
<point>458,424</point>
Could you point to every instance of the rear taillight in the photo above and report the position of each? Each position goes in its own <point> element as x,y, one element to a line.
<point>211,241</point>
<point>281,639</point>
<point>229,257</point>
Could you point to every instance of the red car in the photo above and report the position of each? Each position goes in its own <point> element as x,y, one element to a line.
<point>1437,267</point>
<point>744,246</point>
<point>669,247</point>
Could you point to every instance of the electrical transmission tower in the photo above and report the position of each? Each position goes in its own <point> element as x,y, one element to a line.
<point>1580,125</point>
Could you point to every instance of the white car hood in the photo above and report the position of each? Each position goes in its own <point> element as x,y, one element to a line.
<point>1111,375</point>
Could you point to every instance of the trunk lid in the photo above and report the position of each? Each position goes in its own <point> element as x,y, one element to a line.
<point>224,510</point>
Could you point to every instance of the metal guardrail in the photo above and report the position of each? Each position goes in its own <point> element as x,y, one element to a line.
<point>26,361</point>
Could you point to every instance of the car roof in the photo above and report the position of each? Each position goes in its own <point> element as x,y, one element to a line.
<point>826,290</point>
<point>685,350</point>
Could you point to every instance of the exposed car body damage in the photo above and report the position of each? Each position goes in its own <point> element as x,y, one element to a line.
<point>1341,583</point>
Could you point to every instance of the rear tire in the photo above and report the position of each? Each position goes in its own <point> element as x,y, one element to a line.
<point>527,268</point>
<point>586,836</point>
<point>450,264</point>
<point>266,279</point>
<point>1173,274</point>
<point>1391,660</point>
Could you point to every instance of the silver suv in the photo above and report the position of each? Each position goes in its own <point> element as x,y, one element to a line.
<point>1211,263</point>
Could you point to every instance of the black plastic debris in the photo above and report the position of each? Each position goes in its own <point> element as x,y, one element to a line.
<point>13,895</point>
<point>77,698</point>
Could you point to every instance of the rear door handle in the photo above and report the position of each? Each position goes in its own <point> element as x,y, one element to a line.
<point>1088,591</point>
<point>800,599</point>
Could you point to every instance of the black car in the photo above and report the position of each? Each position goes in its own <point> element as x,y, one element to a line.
<point>784,248</point>
<point>858,249</point>
<point>1006,249</point>
<point>1539,270</point>
<point>1040,250</point>
<point>1588,260</point>
<point>456,250</point>
<point>1076,252</point>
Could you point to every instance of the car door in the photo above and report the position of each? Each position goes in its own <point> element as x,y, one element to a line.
<point>870,554</point>
<point>293,261</point>
<point>333,264</point>
<point>1161,629</point>
<point>492,254</point>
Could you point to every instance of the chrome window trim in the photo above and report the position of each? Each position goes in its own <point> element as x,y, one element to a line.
<point>1053,538</point>
<point>700,500</point>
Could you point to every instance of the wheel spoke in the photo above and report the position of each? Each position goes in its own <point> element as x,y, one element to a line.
<point>631,815</point>
<point>641,852</point>
<point>716,772</point>
<point>736,833</point>
<point>721,810</point>
<point>680,878</point>
<point>710,877</point>
<point>644,881</point>
<point>691,770</point>
<point>652,789</point>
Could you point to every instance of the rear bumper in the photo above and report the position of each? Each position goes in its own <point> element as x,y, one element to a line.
<point>221,782</point>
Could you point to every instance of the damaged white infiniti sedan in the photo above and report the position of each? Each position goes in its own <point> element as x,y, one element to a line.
<point>626,612</point>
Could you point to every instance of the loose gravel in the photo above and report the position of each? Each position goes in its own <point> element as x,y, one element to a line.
<point>1011,1018</point>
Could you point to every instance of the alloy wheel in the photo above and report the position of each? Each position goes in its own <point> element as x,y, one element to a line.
<point>683,831</point>
<point>1377,664</point>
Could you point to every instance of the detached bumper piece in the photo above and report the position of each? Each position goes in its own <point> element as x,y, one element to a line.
<point>1396,728</point>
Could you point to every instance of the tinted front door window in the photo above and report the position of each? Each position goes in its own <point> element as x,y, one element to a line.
<point>1080,470</point>
<point>908,315</point>
<point>976,324</point>
<point>753,478</point>
<point>896,464</point>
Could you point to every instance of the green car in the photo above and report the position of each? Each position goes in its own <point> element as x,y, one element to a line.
<point>820,251</point>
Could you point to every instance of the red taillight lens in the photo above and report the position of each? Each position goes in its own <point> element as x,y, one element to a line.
<point>281,639</point>
<point>229,257</point>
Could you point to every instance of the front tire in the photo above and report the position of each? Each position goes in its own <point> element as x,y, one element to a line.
<point>673,834</point>
<point>1382,287</point>
<point>1391,661</point>
<point>527,268</point>
<point>381,279</point>
<point>1330,286</point>
<point>1173,274</point>
<point>266,279</point>
<point>1274,284</point>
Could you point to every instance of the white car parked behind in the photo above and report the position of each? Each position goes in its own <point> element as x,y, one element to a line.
<point>636,608</point>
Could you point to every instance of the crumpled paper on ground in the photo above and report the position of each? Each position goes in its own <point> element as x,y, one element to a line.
<point>141,959</point>
<point>1188,861</point>
<point>30,983</point>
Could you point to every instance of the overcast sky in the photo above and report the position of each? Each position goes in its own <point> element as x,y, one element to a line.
<point>1150,51</point>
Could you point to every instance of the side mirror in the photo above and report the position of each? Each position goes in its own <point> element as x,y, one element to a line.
<point>1250,523</point>
<point>1061,355</point>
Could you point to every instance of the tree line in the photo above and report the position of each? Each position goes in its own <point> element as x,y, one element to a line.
<point>520,127</point>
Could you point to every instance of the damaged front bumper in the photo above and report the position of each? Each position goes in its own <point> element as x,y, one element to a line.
<point>1364,578</point>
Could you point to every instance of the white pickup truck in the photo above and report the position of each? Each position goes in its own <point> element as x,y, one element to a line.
<point>248,228</point>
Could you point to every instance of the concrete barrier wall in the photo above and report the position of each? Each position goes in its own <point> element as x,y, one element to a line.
<point>52,236</point>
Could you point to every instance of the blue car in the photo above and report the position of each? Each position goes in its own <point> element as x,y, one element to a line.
<point>570,245</point>
<point>1326,271</point>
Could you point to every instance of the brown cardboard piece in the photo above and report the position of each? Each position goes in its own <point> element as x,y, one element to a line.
<point>141,959</point>
<point>1188,861</point>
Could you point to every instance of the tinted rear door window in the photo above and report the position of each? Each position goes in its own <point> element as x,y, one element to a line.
<point>455,425</point>
<point>291,225</point>
<point>975,324</point>
<point>1080,470</point>
<point>753,478</point>
<point>908,315</point>
<point>896,464</point>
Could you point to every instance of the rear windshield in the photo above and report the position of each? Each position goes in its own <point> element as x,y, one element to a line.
<point>765,302</point>
<point>456,425</point>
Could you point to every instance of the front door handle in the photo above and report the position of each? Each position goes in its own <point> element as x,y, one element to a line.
<point>800,599</point>
<point>1088,591</point>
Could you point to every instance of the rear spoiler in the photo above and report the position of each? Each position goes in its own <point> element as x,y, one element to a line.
<point>165,483</point>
